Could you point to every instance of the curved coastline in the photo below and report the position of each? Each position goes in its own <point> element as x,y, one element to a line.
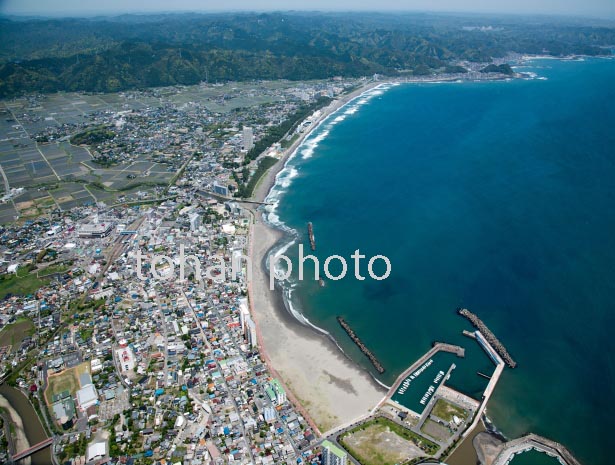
<point>326,385</point>
<point>276,307</point>
<point>289,235</point>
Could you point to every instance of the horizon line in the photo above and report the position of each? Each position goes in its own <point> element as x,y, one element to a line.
<point>114,14</point>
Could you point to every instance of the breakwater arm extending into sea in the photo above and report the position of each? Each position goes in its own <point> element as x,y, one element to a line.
<point>489,336</point>
<point>311,236</point>
<point>372,358</point>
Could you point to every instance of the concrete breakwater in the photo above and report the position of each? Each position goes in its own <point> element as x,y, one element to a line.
<point>532,441</point>
<point>372,358</point>
<point>489,336</point>
<point>311,236</point>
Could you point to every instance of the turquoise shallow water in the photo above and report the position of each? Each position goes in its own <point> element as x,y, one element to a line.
<point>495,196</point>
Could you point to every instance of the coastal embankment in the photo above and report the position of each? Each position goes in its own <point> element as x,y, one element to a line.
<point>267,181</point>
<point>328,387</point>
<point>362,347</point>
<point>320,378</point>
<point>488,335</point>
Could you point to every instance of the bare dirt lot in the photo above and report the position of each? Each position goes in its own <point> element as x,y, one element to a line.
<point>377,444</point>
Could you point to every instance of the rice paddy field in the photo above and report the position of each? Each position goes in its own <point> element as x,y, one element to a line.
<point>58,174</point>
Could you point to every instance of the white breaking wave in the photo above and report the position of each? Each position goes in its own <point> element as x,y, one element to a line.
<point>286,180</point>
<point>283,181</point>
<point>311,144</point>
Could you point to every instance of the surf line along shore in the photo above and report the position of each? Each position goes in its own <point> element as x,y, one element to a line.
<point>326,387</point>
<point>324,384</point>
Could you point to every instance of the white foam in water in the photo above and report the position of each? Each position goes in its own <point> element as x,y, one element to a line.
<point>311,144</point>
<point>288,300</point>
<point>284,179</point>
<point>306,149</point>
<point>287,179</point>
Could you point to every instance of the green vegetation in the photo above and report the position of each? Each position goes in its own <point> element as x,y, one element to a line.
<point>23,282</point>
<point>76,449</point>
<point>367,446</point>
<point>114,54</point>
<point>84,306</point>
<point>39,407</point>
<point>86,334</point>
<point>92,136</point>
<point>445,410</point>
<point>54,269</point>
<point>503,69</point>
<point>285,143</point>
<point>14,333</point>
<point>276,133</point>
<point>245,190</point>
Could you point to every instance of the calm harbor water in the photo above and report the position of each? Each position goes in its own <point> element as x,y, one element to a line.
<point>495,196</point>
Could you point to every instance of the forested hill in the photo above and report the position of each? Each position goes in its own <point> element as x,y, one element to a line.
<point>111,54</point>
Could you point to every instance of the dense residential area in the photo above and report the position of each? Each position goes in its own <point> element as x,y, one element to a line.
<point>122,361</point>
<point>155,169</point>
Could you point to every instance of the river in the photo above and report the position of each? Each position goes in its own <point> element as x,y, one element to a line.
<point>28,427</point>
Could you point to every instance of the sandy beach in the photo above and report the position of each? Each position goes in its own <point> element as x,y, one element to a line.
<point>331,388</point>
<point>20,442</point>
<point>268,180</point>
<point>328,388</point>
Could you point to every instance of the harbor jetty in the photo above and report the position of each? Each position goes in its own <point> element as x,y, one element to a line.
<point>488,335</point>
<point>532,441</point>
<point>311,236</point>
<point>372,358</point>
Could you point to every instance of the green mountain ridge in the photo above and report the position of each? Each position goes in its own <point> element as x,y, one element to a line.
<point>112,54</point>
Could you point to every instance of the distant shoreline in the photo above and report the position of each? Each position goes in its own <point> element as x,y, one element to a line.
<point>329,402</point>
<point>327,387</point>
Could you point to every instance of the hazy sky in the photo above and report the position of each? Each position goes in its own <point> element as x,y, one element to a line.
<point>597,8</point>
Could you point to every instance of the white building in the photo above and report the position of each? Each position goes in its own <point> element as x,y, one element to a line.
<point>126,359</point>
<point>244,313</point>
<point>248,138</point>
<point>333,455</point>
<point>96,451</point>
<point>96,365</point>
<point>269,414</point>
<point>251,332</point>
<point>248,327</point>
<point>87,396</point>
<point>195,221</point>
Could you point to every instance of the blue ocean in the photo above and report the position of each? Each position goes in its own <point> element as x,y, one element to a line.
<point>494,196</point>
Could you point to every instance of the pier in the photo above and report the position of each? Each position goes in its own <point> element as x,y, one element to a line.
<point>437,347</point>
<point>372,358</point>
<point>493,381</point>
<point>445,347</point>
<point>311,236</point>
<point>489,336</point>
